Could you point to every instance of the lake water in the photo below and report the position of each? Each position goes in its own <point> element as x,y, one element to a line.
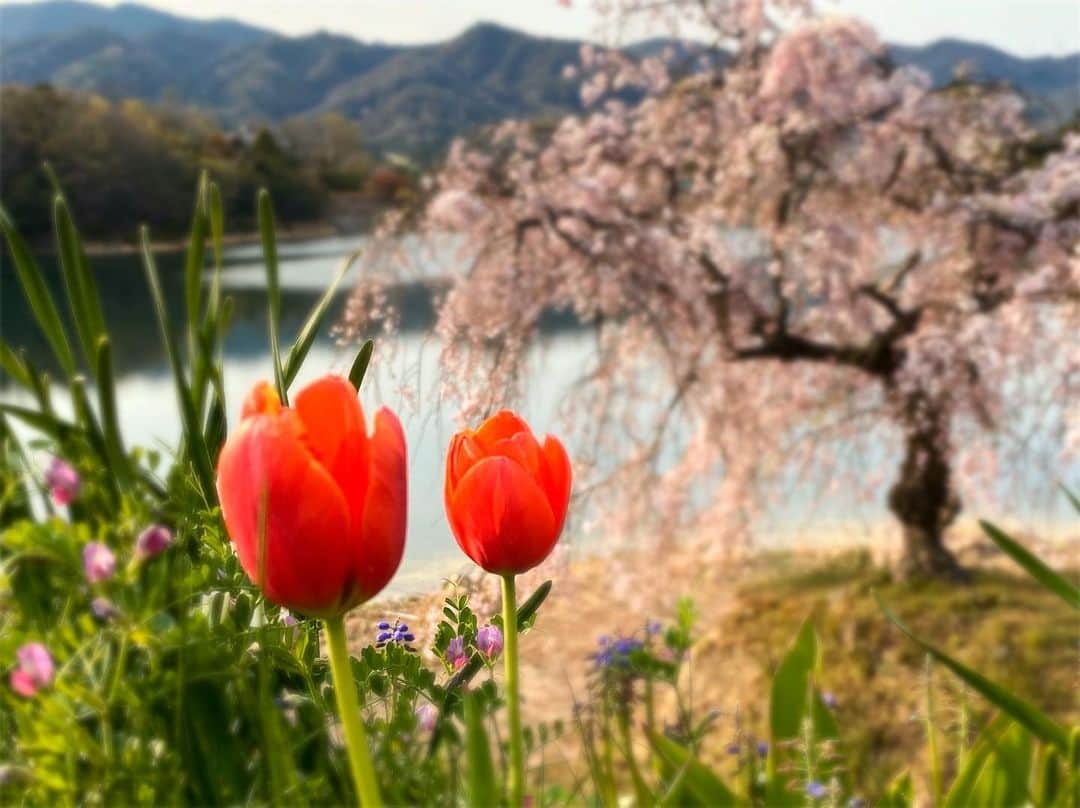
<point>403,376</point>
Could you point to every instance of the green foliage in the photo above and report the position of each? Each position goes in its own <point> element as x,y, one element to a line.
<point>142,160</point>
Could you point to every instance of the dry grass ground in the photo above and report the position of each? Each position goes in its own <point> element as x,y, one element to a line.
<point>749,610</point>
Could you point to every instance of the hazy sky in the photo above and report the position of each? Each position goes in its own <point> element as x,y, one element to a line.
<point>1024,27</point>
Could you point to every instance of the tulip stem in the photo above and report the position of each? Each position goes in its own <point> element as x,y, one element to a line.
<point>363,772</point>
<point>516,780</point>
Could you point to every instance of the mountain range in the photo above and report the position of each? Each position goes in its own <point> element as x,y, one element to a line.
<point>410,99</point>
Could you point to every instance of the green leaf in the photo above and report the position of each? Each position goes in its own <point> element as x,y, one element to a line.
<point>56,428</point>
<point>900,793</point>
<point>193,436</point>
<point>1033,565</point>
<point>37,295</point>
<point>82,291</point>
<point>310,330</point>
<point>15,367</point>
<point>789,706</point>
<point>114,442</point>
<point>360,364</point>
<point>193,263</point>
<point>1038,723</point>
<point>273,287</point>
<point>698,778</point>
<point>961,794</point>
<point>790,686</point>
<point>481,771</point>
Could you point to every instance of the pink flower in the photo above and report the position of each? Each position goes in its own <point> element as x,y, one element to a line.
<point>426,716</point>
<point>63,481</point>
<point>99,563</point>
<point>35,669</point>
<point>455,652</point>
<point>103,609</point>
<point>153,541</point>
<point>489,640</point>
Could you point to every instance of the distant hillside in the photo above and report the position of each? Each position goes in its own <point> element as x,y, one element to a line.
<point>409,99</point>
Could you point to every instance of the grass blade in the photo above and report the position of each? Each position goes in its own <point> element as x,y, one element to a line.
<point>38,296</point>
<point>79,282</point>
<point>193,436</point>
<point>1038,723</point>
<point>304,340</point>
<point>273,287</point>
<point>114,442</point>
<point>698,778</point>
<point>360,364</point>
<point>1033,565</point>
<point>481,774</point>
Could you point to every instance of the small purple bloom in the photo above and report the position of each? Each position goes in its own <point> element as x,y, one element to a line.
<point>763,749</point>
<point>407,637</point>
<point>490,641</point>
<point>733,749</point>
<point>152,541</point>
<point>99,563</point>
<point>426,716</point>
<point>455,652</point>
<point>382,625</point>
<point>289,619</point>
<point>103,609</point>
<point>34,671</point>
<point>815,790</point>
<point>63,481</point>
<point>384,636</point>
<point>829,698</point>
<point>654,628</point>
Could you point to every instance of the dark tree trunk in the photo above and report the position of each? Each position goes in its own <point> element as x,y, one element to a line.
<point>922,497</point>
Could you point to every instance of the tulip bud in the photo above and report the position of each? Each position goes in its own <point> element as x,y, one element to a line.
<point>506,494</point>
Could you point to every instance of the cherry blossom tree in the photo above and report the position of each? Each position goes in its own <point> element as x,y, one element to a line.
<point>782,245</point>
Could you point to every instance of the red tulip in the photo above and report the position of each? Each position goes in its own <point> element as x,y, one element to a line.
<point>506,494</point>
<point>326,499</point>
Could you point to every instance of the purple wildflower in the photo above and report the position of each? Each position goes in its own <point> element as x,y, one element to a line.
<point>763,749</point>
<point>63,481</point>
<point>455,652</point>
<point>829,698</point>
<point>816,790</point>
<point>153,541</point>
<point>99,563</point>
<point>426,716</point>
<point>34,671</point>
<point>489,640</point>
<point>103,609</point>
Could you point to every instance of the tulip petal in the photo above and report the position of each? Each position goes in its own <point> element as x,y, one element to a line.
<point>336,434</point>
<point>262,400</point>
<point>501,517</point>
<point>503,424</point>
<point>377,555</point>
<point>266,465</point>
<point>556,477</point>
<point>464,452</point>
